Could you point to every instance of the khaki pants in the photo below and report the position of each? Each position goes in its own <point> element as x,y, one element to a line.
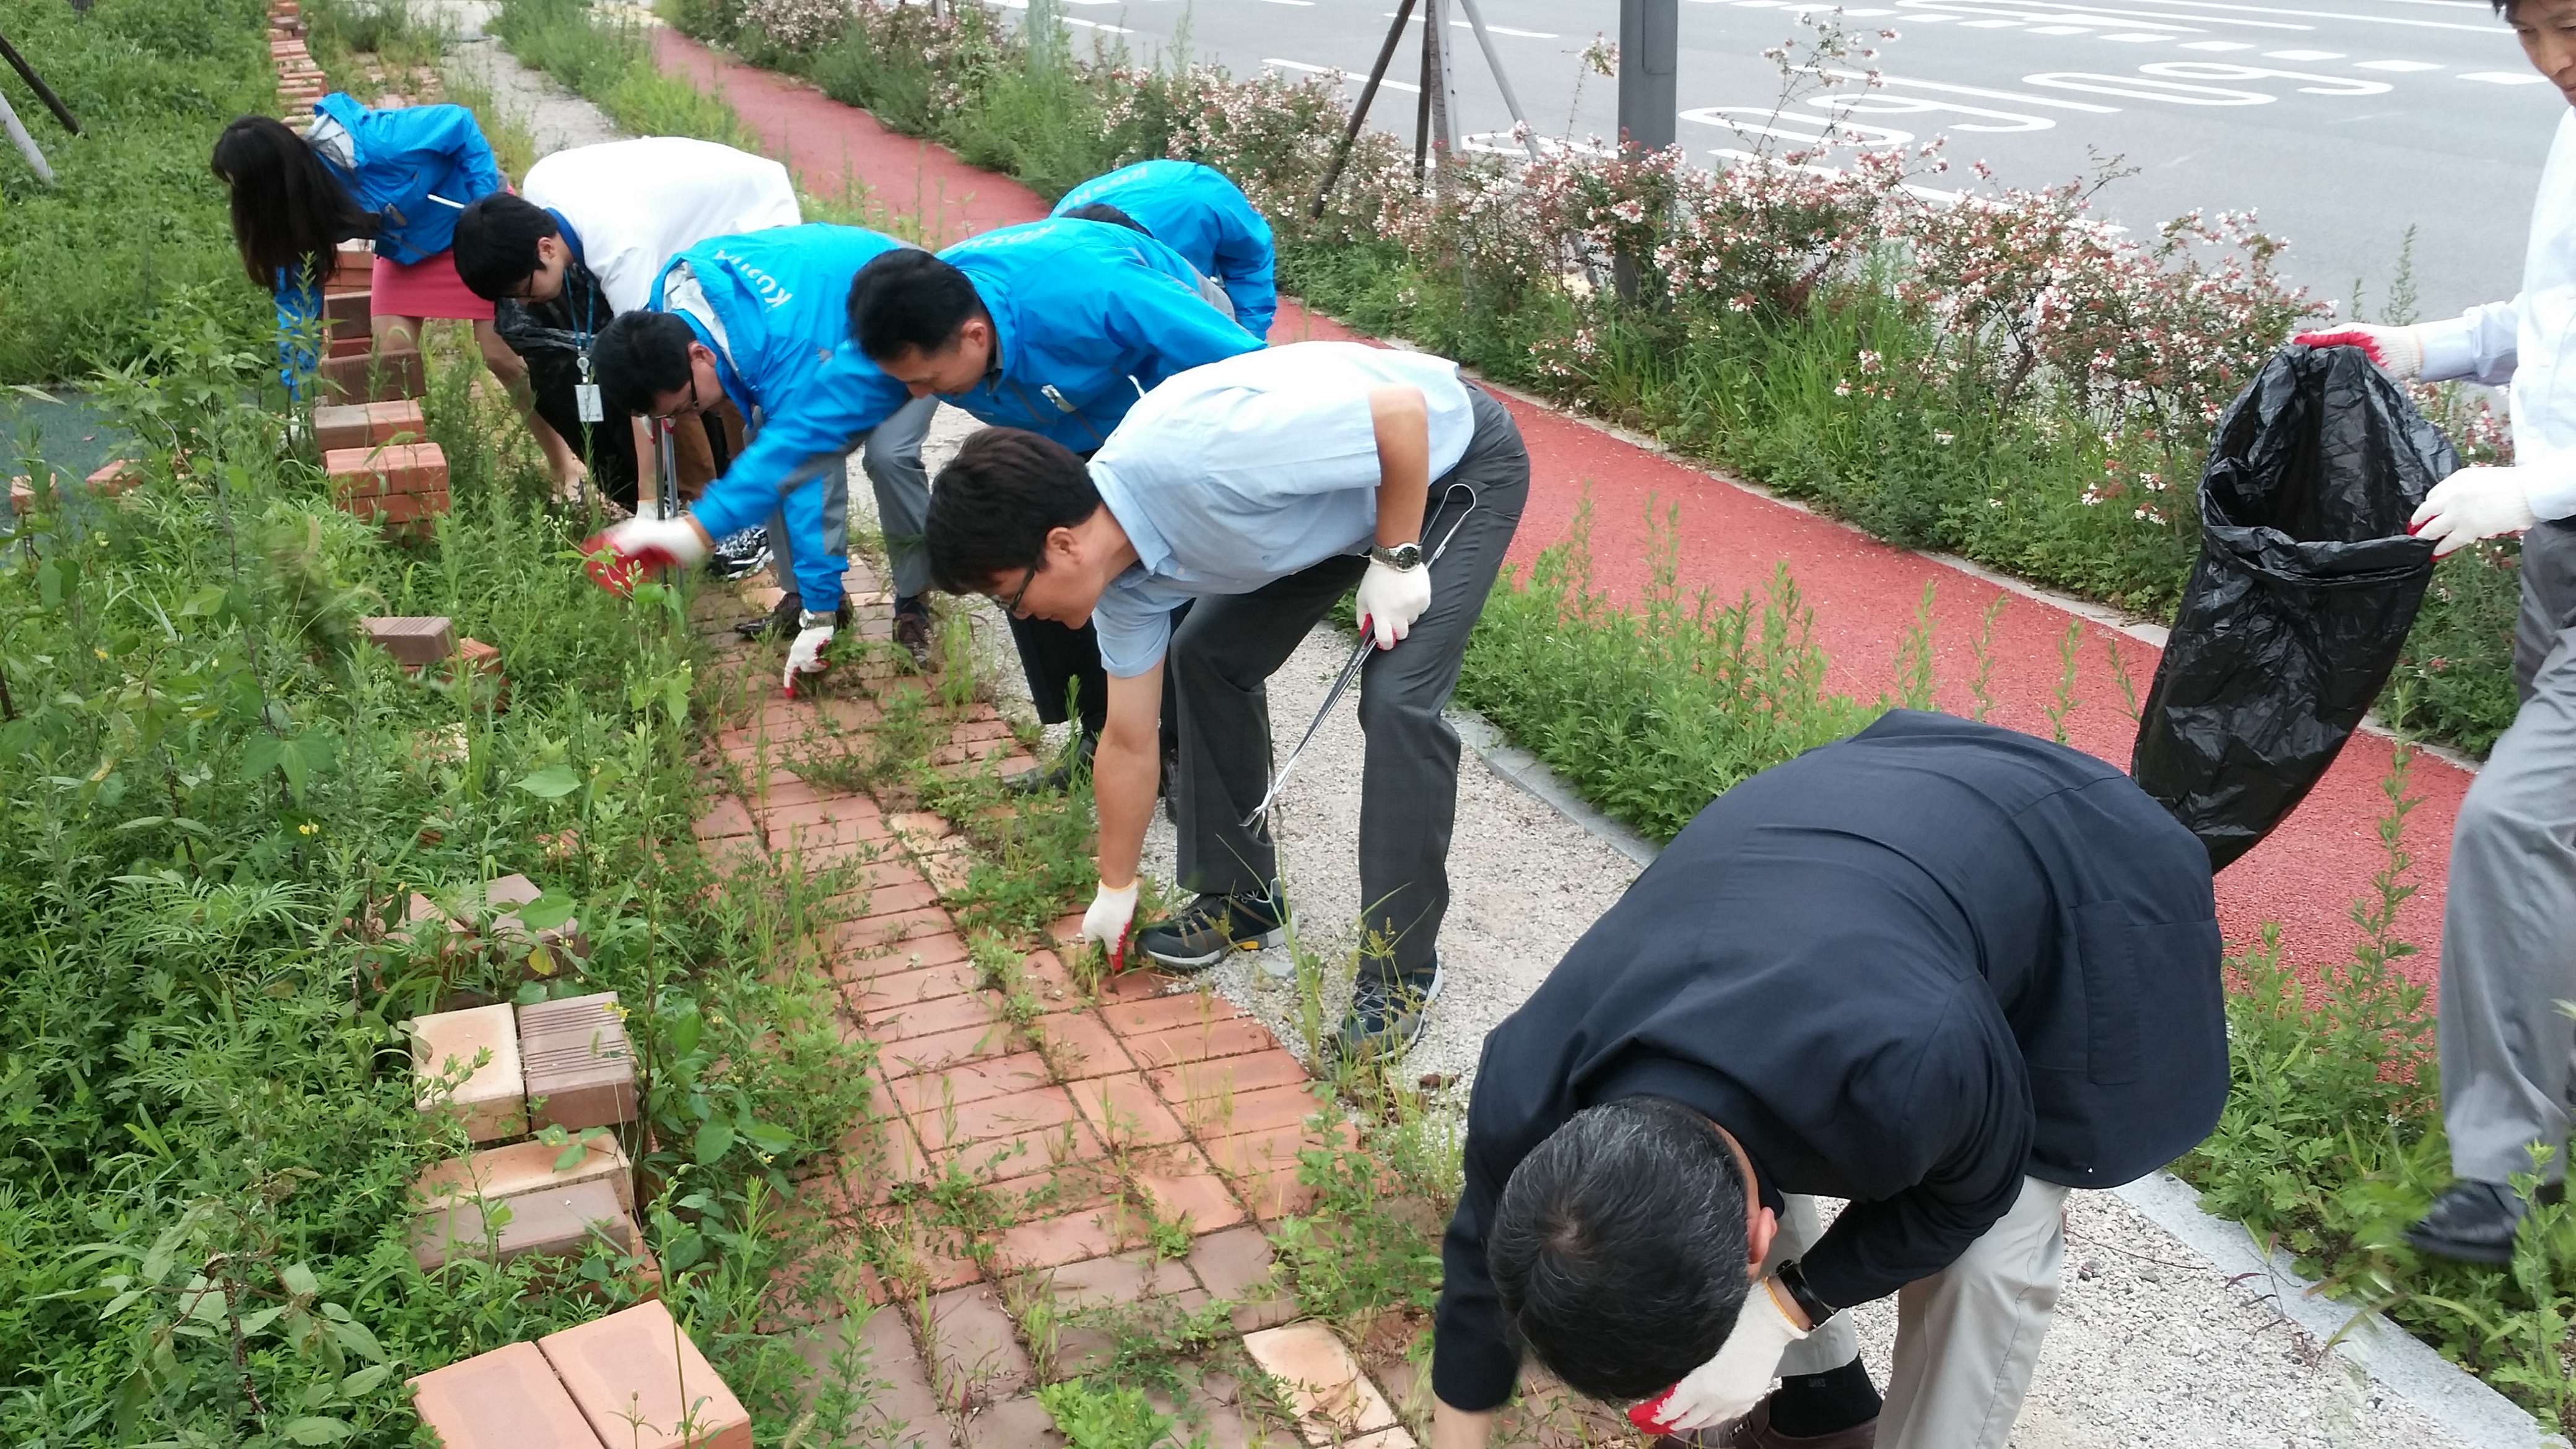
<point>1967,1338</point>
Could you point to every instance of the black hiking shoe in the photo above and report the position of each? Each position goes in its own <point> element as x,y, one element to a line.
<point>912,629</point>
<point>786,620</point>
<point>1210,926</point>
<point>2474,1222</point>
<point>1385,1015</point>
<point>740,554</point>
<point>1040,779</point>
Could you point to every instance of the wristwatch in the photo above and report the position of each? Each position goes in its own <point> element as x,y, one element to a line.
<point>811,620</point>
<point>1793,1281</point>
<point>1404,557</point>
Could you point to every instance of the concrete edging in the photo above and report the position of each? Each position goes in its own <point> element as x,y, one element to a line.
<point>2439,1389</point>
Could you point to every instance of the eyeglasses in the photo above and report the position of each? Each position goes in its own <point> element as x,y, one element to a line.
<point>1011,605</point>
<point>690,409</point>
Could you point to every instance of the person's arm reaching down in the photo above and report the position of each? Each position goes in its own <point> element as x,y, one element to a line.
<point>841,403</point>
<point>1392,597</point>
<point>1123,772</point>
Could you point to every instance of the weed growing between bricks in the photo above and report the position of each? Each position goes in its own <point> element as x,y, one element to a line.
<point>220,798</point>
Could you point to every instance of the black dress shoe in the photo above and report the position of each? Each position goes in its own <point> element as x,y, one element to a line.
<point>1035,780</point>
<point>2473,1222</point>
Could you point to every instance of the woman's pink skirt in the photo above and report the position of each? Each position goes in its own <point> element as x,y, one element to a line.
<point>424,289</point>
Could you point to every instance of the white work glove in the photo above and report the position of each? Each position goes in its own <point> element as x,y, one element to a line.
<point>642,544</point>
<point>805,656</point>
<point>2398,350</point>
<point>1111,913</point>
<point>1727,1387</point>
<point>1391,599</point>
<point>2472,504</point>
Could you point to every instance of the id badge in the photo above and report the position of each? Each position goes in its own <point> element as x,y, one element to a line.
<point>585,397</point>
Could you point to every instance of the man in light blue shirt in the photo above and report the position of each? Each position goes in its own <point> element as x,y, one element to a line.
<point>1196,211</point>
<point>1259,490</point>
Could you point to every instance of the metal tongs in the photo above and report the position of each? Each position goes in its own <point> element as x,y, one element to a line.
<point>1351,668</point>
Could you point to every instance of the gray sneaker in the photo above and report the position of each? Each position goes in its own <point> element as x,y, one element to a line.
<point>1386,1016</point>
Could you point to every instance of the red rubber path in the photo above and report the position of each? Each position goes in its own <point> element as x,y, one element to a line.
<point>1864,593</point>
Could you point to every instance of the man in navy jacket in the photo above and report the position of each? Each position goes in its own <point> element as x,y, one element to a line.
<point>1942,970</point>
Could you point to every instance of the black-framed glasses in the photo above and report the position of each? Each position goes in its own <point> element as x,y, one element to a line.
<point>690,409</point>
<point>1011,605</point>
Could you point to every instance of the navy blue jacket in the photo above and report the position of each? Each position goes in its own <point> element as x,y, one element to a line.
<point>1905,969</point>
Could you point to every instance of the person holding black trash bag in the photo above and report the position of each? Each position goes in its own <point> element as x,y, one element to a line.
<point>2509,921</point>
<point>1943,970</point>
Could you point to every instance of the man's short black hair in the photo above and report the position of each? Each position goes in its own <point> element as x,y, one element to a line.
<point>1619,1247</point>
<point>496,243</point>
<point>907,300</point>
<point>640,356</point>
<point>1103,211</point>
<point>996,502</point>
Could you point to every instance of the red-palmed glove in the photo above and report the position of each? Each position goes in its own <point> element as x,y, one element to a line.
<point>2397,350</point>
<point>1112,912</point>
<point>1727,1387</point>
<point>621,555</point>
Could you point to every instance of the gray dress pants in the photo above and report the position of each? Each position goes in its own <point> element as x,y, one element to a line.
<point>893,463</point>
<point>1967,1338</point>
<point>1223,653</point>
<point>2509,923</point>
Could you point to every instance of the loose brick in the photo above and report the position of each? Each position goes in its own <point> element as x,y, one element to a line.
<point>414,640</point>
<point>492,1100</point>
<point>1333,1399</point>
<point>404,513</point>
<point>496,1174</point>
<point>114,478</point>
<point>557,1223</point>
<point>578,1063</point>
<point>972,1343</point>
<point>638,1379</point>
<point>368,425</point>
<point>561,943</point>
<point>390,468</point>
<point>506,1399</point>
<point>381,376</point>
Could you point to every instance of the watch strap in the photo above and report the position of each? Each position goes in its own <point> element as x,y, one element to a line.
<point>1793,1280</point>
<point>810,620</point>
<point>1393,556</point>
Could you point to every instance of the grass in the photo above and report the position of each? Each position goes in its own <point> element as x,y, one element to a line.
<point>611,63</point>
<point>219,799</point>
<point>94,269</point>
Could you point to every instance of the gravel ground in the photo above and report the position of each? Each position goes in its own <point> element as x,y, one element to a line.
<point>555,118</point>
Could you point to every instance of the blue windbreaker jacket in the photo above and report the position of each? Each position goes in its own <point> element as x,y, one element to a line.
<point>1196,211</point>
<point>774,307</point>
<point>417,167</point>
<point>1086,319</point>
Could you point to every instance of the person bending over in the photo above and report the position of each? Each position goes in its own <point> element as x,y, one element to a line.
<point>1944,971</point>
<point>1258,491</point>
<point>1201,214</point>
<point>754,324</point>
<point>1058,327</point>
<point>581,242</point>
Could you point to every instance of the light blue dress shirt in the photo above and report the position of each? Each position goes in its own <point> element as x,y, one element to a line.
<point>1234,475</point>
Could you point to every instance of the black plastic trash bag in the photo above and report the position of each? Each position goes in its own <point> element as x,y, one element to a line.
<point>2306,586</point>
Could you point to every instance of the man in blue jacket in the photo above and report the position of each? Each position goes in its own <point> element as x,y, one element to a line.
<point>1054,326</point>
<point>1196,211</point>
<point>755,323</point>
<point>1943,971</point>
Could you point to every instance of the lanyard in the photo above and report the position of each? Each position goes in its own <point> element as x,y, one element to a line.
<point>1061,405</point>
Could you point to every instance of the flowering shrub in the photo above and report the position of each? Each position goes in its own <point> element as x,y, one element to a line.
<point>795,25</point>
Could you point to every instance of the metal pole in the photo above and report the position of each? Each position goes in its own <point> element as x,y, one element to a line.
<point>37,84</point>
<point>1359,113</point>
<point>1649,39</point>
<point>26,143</point>
<point>1436,82</point>
<point>1494,63</point>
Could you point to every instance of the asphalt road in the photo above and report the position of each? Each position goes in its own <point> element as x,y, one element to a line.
<point>2341,122</point>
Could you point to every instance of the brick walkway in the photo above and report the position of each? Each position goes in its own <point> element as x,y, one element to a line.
<point>1084,1123</point>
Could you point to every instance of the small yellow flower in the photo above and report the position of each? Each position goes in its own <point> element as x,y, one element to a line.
<point>307,828</point>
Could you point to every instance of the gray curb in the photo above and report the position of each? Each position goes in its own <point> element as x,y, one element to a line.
<point>2405,1367</point>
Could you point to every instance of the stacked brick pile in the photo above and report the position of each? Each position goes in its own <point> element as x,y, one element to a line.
<point>631,1379</point>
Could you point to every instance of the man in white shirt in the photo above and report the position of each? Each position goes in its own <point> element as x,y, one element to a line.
<point>2507,967</point>
<point>1259,490</point>
<point>581,242</point>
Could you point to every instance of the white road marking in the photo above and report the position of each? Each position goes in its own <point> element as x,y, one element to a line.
<point>2138,35</point>
<point>1982,92</point>
<point>2061,30</point>
<point>2400,67</point>
<point>2219,70</point>
<point>2303,55</point>
<point>2506,77</point>
<point>2215,45</point>
<point>1390,15</point>
<point>1390,83</point>
<point>1819,129</point>
<point>1293,2</point>
<point>1988,24</point>
<point>2147,88</point>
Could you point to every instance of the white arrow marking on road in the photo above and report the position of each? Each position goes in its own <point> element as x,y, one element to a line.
<point>2506,77</point>
<point>2146,89</point>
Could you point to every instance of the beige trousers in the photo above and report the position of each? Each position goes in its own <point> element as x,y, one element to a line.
<point>1967,1338</point>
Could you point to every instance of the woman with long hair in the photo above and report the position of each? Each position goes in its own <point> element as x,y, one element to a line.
<point>395,177</point>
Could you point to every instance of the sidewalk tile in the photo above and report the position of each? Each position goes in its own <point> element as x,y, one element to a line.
<point>1199,1044</point>
<point>1184,1187</point>
<point>1204,1092</point>
<point>947,1049</point>
<point>878,933</point>
<point>1112,1282</point>
<point>1013,1424</point>
<point>973,1345</point>
<point>955,1124</point>
<point>1235,1265</point>
<point>1047,977</point>
<point>1262,1109</point>
<point>1263,1168</point>
<point>1052,1242</point>
<point>930,1018</point>
<point>971,1082</point>
<point>1334,1400</point>
<point>1165,1013</point>
<point>1122,1108</point>
<point>726,819</point>
<point>938,949</point>
<point>885,994</point>
<point>1080,1045</point>
<point>1024,1152</point>
<point>906,895</point>
<point>879,1359</point>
